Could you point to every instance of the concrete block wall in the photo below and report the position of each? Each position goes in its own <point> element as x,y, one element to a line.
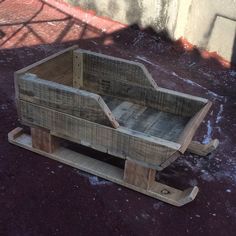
<point>208,24</point>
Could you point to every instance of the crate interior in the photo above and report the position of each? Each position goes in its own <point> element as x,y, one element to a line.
<point>130,114</point>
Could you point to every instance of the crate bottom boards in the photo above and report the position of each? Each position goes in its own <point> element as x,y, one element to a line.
<point>133,176</point>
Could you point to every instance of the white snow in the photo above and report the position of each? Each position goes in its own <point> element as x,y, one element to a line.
<point>208,135</point>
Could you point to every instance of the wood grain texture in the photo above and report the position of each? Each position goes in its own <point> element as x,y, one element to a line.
<point>78,70</point>
<point>138,175</point>
<point>203,149</point>
<point>128,80</point>
<point>175,103</point>
<point>72,101</point>
<point>147,120</point>
<point>45,60</point>
<point>154,122</point>
<point>43,140</point>
<point>120,142</point>
<point>57,67</point>
<point>99,66</point>
<point>57,70</point>
<point>85,163</point>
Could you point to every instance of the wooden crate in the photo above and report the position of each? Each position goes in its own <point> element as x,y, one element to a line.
<point>114,106</point>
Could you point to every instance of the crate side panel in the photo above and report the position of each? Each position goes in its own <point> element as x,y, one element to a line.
<point>58,69</point>
<point>105,139</point>
<point>62,98</point>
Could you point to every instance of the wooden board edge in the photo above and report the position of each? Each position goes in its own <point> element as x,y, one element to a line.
<point>203,149</point>
<point>184,95</point>
<point>190,129</point>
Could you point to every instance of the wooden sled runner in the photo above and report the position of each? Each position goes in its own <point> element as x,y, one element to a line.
<point>114,106</point>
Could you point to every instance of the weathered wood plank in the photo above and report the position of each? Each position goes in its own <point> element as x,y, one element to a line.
<point>57,68</point>
<point>120,142</point>
<point>73,101</point>
<point>85,163</point>
<point>43,140</point>
<point>122,109</point>
<point>161,99</point>
<point>45,60</point>
<point>101,67</point>
<point>167,126</point>
<point>78,70</point>
<point>186,136</point>
<point>138,175</point>
<point>203,149</point>
<point>147,120</point>
<point>128,80</point>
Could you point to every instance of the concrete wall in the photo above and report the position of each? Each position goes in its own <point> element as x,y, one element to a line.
<point>145,13</point>
<point>211,24</point>
<point>208,24</point>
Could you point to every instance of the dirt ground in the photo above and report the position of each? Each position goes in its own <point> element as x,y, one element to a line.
<point>39,196</point>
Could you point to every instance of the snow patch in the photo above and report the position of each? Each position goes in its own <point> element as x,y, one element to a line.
<point>149,62</point>
<point>3,107</point>
<point>193,182</point>
<point>219,114</point>
<point>93,180</point>
<point>232,73</point>
<point>208,135</point>
<point>206,176</point>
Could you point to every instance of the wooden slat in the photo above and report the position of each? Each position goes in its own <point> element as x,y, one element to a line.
<point>57,67</point>
<point>167,126</point>
<point>138,175</point>
<point>120,142</point>
<point>203,149</point>
<point>100,66</point>
<point>190,129</point>
<point>78,70</point>
<point>85,163</point>
<point>156,98</point>
<point>43,140</point>
<point>73,101</point>
<point>122,109</point>
<point>147,120</point>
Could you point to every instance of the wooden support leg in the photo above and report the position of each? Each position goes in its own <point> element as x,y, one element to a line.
<point>143,178</point>
<point>203,149</point>
<point>43,140</point>
<point>138,175</point>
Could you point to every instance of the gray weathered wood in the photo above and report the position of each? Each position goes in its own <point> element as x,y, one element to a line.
<point>102,67</point>
<point>62,98</point>
<point>120,142</point>
<point>130,92</point>
<point>147,120</point>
